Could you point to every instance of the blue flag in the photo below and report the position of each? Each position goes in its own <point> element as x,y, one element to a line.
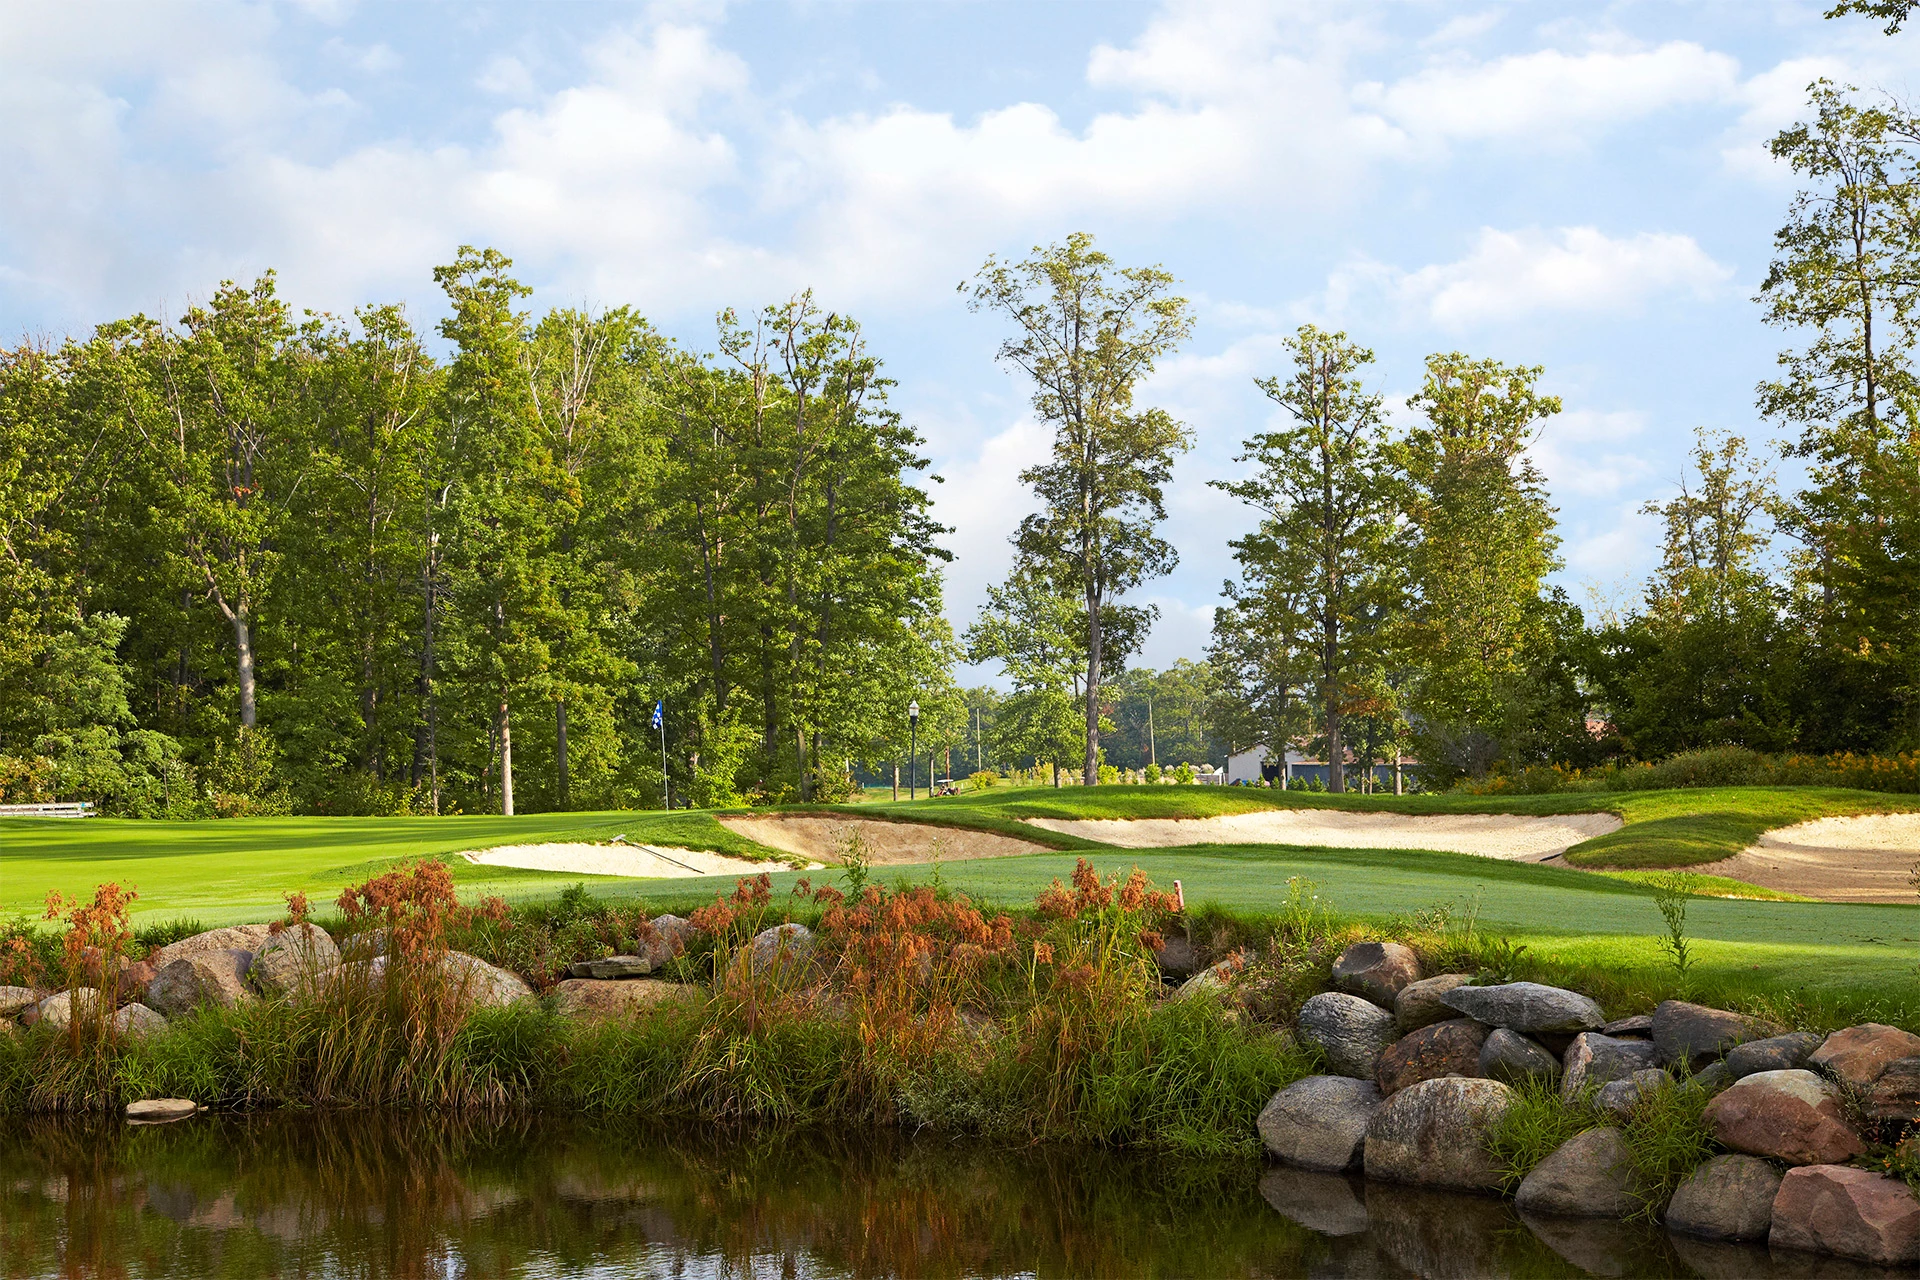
<point>658,713</point>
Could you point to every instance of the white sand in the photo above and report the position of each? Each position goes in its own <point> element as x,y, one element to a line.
<point>642,861</point>
<point>1868,858</point>
<point>822,837</point>
<point>1512,837</point>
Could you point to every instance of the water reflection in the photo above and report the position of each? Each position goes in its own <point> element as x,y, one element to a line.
<point>410,1195</point>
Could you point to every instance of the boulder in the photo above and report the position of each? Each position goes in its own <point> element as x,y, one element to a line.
<point>1639,1024</point>
<point>1727,1198</point>
<point>57,1010</point>
<point>607,998</point>
<point>137,1022</point>
<point>660,940</point>
<point>1435,1134</point>
<point>1859,1054</point>
<point>15,999</point>
<point>1692,1035</point>
<point>1444,1049</point>
<point>365,945</point>
<point>235,937</point>
<point>1793,1116</point>
<point>202,977</point>
<point>1419,1005</point>
<point>1320,1122</point>
<point>1713,1077</point>
<point>159,1109</point>
<point>611,967</point>
<point>1828,1208</point>
<point>1618,1098</point>
<point>1594,1059</point>
<point>133,979</point>
<point>1377,971</point>
<point>1176,957</point>
<point>1352,1032</point>
<point>1587,1176</point>
<point>785,948</point>
<point>1324,1202</point>
<point>1214,980</point>
<point>1896,1094</point>
<point>1527,1007</point>
<point>485,986</point>
<point>292,959</point>
<point>1510,1057</point>
<point>1775,1053</point>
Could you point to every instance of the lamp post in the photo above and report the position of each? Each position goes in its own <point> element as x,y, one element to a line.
<point>913,748</point>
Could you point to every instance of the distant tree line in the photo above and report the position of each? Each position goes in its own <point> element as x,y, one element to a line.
<point>255,560</point>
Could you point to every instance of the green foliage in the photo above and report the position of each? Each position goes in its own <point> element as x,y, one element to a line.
<point>1534,1127</point>
<point>1667,1138</point>
<point>1670,894</point>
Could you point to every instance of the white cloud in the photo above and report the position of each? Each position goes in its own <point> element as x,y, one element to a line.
<point>506,76</point>
<point>1552,96</point>
<point>1580,451</point>
<point>983,500</point>
<point>1510,275</point>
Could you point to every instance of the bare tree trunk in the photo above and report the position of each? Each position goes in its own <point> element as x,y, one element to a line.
<point>1090,771</point>
<point>243,644</point>
<point>560,733</point>
<point>896,779</point>
<point>506,761</point>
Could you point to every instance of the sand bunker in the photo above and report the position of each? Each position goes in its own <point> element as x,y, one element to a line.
<point>1492,835</point>
<point>643,861</point>
<point>822,836</point>
<point>1862,859</point>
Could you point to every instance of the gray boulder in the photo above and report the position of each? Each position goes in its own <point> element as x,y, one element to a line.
<point>137,1022</point>
<point>1692,1035</point>
<point>234,937</point>
<point>1176,957</point>
<point>786,949</point>
<point>1435,1134</point>
<point>1617,1098</point>
<point>485,986</point>
<point>216,978</point>
<point>1714,1077</point>
<point>1727,1198</point>
<point>1527,1007</point>
<point>1594,1059</point>
<point>1419,1004</point>
<point>1324,1202</point>
<point>1775,1053</point>
<point>57,1010</point>
<point>1376,971</point>
<point>1352,1032</point>
<point>1320,1122</point>
<point>1639,1024</point>
<point>612,967</point>
<point>1510,1057</point>
<point>599,998</point>
<point>292,960</point>
<point>1587,1176</point>
<point>15,999</point>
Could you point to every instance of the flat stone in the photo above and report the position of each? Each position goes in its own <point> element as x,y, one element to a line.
<point>234,937</point>
<point>292,960</point>
<point>1419,1004</point>
<point>1618,1098</point>
<point>1435,1134</point>
<point>1328,1203</point>
<point>1859,1054</point>
<point>607,998</point>
<point>217,978</point>
<point>1510,1057</point>
<point>1527,1007</point>
<point>1449,1048</point>
<point>1594,1059</point>
<point>1376,971</point>
<point>1694,1035</point>
<point>161,1109</point>
<point>1775,1053</point>
<point>137,1022</point>
<point>1320,1122</point>
<point>613,967</point>
<point>1896,1094</point>
<point>1352,1032</point>
<point>1793,1116</point>
<point>1852,1213</point>
<point>1588,1176</point>
<point>1727,1198</point>
<point>14,999</point>
<point>1640,1024</point>
<point>785,948</point>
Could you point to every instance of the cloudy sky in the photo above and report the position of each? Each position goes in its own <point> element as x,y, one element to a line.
<point>1581,186</point>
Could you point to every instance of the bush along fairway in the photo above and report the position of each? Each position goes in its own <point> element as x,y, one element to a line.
<point>1102,1011</point>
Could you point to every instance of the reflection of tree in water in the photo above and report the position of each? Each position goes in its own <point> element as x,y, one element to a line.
<point>409,1195</point>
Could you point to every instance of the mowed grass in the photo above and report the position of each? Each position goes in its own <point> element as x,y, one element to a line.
<point>241,869</point>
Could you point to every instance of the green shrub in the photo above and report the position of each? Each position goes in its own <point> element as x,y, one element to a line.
<point>1534,1127</point>
<point>1667,1138</point>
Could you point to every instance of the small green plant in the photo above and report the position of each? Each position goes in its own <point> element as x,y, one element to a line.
<point>856,860</point>
<point>1306,915</point>
<point>1667,1138</point>
<point>1534,1127</point>
<point>1183,774</point>
<point>1109,774</point>
<point>1153,774</point>
<point>1670,894</point>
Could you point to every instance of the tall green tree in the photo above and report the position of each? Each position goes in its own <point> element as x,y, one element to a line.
<point>1086,334</point>
<point>1329,496</point>
<point>1037,634</point>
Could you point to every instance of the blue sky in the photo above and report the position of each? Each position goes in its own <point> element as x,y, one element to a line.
<point>1581,186</point>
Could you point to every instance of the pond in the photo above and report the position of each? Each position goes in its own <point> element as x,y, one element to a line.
<point>377,1194</point>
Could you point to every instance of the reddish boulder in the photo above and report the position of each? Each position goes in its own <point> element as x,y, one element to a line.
<point>1859,1054</point>
<point>1834,1209</point>
<point>1784,1115</point>
<point>1449,1048</point>
<point>1896,1094</point>
<point>1376,971</point>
